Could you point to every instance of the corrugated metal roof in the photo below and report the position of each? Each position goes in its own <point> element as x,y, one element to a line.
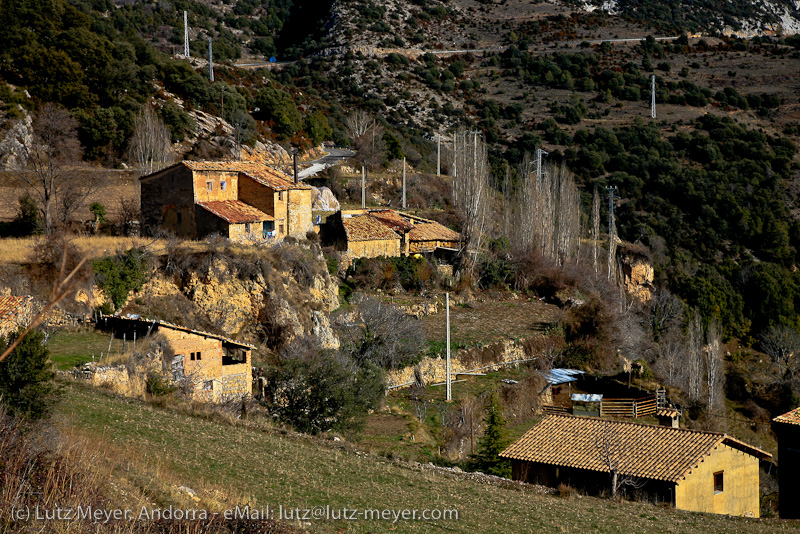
<point>367,228</point>
<point>562,376</point>
<point>789,418</point>
<point>10,306</point>
<point>587,397</point>
<point>645,451</point>
<point>235,211</point>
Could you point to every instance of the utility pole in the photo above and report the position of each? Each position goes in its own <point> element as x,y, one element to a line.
<point>449,388</point>
<point>210,62</point>
<point>653,96</point>
<point>363,188</point>
<point>612,238</point>
<point>185,34</point>
<point>539,154</point>
<point>404,182</point>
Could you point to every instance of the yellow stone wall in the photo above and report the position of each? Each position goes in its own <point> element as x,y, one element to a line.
<point>229,381</point>
<point>374,248</point>
<point>429,246</point>
<point>237,232</point>
<point>740,495</point>
<point>256,194</point>
<point>299,208</point>
<point>201,192</point>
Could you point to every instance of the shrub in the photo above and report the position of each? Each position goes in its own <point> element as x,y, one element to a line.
<point>26,377</point>
<point>119,275</point>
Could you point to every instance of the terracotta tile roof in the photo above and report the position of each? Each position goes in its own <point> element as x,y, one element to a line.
<point>392,219</point>
<point>646,451</point>
<point>790,418</point>
<point>235,211</point>
<point>432,231</point>
<point>10,306</point>
<point>667,412</point>
<point>366,228</point>
<point>259,172</point>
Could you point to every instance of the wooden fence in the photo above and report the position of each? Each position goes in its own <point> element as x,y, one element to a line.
<point>630,408</point>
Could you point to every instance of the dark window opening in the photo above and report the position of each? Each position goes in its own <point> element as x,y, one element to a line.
<point>193,356</point>
<point>247,228</point>
<point>280,229</point>
<point>179,217</point>
<point>234,357</point>
<point>280,195</point>
<point>199,356</point>
<point>719,483</point>
<point>210,186</point>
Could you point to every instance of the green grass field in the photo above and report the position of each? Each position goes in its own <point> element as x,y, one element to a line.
<point>68,348</point>
<point>267,467</point>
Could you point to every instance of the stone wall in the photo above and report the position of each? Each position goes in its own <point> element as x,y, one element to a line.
<point>215,179</point>
<point>430,246</point>
<point>434,370</point>
<point>167,201</point>
<point>299,212</point>
<point>257,195</point>
<point>374,248</point>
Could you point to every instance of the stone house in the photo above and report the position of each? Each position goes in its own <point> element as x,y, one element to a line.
<point>208,366</point>
<point>787,428</point>
<point>15,313</point>
<point>243,201</point>
<point>693,470</point>
<point>385,232</point>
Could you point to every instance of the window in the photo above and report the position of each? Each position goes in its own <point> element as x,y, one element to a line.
<point>193,356</point>
<point>179,217</point>
<point>208,385</point>
<point>280,195</point>
<point>199,356</point>
<point>719,485</point>
<point>280,229</point>
<point>247,228</point>
<point>223,185</point>
<point>209,186</point>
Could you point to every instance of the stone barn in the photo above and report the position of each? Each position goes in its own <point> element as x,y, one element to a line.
<point>211,367</point>
<point>787,428</point>
<point>239,200</point>
<point>693,470</point>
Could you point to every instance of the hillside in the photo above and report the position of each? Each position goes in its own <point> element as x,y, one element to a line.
<point>228,464</point>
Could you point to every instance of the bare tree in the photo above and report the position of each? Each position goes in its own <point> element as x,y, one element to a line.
<point>150,147</point>
<point>669,355</point>
<point>782,343</point>
<point>595,227</point>
<point>546,214</point>
<point>611,453</point>
<point>358,123</point>
<point>471,194</point>
<point>693,364</point>
<point>51,155</point>
<point>715,367</point>
<point>666,313</point>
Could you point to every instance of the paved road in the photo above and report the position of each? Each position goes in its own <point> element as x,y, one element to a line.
<point>334,157</point>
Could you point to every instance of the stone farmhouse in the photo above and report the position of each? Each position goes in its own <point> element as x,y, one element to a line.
<point>693,470</point>
<point>787,428</point>
<point>211,367</point>
<point>15,313</point>
<point>385,232</point>
<point>242,201</point>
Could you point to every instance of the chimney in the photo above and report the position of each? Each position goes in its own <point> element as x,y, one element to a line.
<point>294,159</point>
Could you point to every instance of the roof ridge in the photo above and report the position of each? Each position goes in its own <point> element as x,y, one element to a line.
<point>634,423</point>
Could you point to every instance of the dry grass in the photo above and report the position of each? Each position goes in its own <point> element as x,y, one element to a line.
<point>19,250</point>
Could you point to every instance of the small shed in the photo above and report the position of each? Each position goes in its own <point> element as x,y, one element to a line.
<point>213,367</point>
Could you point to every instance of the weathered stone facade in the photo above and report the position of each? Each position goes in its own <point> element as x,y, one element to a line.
<point>177,199</point>
<point>15,313</point>
<point>206,366</point>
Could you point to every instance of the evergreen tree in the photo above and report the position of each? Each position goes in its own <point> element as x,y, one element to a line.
<point>26,377</point>
<point>492,443</point>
